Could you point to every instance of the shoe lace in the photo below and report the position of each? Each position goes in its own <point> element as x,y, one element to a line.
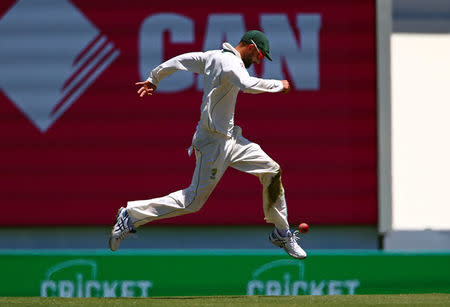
<point>296,235</point>
<point>293,239</point>
<point>290,240</point>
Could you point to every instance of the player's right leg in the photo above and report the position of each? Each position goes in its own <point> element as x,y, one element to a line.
<point>250,158</point>
<point>288,242</point>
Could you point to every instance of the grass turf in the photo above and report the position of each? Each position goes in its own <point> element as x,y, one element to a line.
<point>235,301</point>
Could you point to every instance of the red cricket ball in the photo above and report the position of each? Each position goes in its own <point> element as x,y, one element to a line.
<point>303,227</point>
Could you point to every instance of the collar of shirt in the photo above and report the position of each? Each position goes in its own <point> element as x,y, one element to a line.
<point>227,46</point>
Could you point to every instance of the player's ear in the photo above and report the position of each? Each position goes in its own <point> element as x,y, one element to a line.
<point>251,48</point>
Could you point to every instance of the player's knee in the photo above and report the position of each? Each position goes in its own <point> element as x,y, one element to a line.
<point>277,168</point>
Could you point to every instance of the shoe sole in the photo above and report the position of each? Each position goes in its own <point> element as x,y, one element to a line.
<point>112,230</point>
<point>302,258</point>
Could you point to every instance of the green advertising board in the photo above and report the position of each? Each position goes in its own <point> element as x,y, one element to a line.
<point>134,273</point>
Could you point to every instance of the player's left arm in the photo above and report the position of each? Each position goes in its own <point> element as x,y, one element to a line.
<point>192,62</point>
<point>146,88</point>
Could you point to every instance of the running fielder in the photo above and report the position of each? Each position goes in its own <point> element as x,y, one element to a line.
<point>217,142</point>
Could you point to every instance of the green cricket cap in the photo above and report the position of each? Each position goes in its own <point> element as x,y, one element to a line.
<point>260,40</point>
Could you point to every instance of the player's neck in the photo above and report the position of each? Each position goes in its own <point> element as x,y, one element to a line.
<point>241,49</point>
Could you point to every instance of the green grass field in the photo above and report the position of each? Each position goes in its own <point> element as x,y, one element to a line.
<point>338,300</point>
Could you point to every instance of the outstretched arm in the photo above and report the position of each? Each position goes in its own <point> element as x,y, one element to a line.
<point>193,62</point>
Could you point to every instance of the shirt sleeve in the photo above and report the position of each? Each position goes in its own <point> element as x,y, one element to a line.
<point>238,75</point>
<point>192,62</point>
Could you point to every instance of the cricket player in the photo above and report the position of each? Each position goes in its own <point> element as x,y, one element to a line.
<point>217,142</point>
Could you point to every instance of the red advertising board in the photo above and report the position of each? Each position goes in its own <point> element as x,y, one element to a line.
<point>77,143</point>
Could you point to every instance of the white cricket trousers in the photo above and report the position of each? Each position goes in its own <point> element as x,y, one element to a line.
<point>214,153</point>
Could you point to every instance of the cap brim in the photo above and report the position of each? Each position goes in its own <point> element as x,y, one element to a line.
<point>267,56</point>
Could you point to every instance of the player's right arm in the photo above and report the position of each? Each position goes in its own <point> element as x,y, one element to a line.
<point>192,62</point>
<point>239,76</point>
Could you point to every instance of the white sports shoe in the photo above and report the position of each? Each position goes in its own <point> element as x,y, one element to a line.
<point>121,229</point>
<point>289,244</point>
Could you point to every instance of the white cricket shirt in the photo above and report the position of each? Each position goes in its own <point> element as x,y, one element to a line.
<point>224,75</point>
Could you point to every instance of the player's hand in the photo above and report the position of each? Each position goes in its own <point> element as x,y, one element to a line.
<point>146,88</point>
<point>286,86</point>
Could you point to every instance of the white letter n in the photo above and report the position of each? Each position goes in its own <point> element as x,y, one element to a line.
<point>302,61</point>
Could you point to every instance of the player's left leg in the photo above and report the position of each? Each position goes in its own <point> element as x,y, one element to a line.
<point>211,162</point>
<point>250,158</point>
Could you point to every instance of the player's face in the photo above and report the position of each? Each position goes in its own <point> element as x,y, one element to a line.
<point>253,56</point>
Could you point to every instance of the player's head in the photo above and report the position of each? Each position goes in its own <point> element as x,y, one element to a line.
<point>256,47</point>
